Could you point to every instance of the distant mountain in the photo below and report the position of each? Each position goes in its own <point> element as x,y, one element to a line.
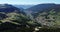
<point>45,14</point>
<point>40,7</point>
<point>23,6</point>
<point>8,8</point>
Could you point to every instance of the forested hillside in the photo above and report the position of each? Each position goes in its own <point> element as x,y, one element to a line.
<point>39,18</point>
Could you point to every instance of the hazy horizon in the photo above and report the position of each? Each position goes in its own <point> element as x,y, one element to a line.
<point>28,2</point>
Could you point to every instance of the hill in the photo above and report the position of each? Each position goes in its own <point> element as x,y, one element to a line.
<point>45,14</point>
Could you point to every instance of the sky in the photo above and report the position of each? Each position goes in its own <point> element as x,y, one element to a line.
<point>28,2</point>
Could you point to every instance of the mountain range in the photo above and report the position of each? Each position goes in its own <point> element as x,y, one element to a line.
<point>41,7</point>
<point>41,13</point>
<point>23,6</point>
